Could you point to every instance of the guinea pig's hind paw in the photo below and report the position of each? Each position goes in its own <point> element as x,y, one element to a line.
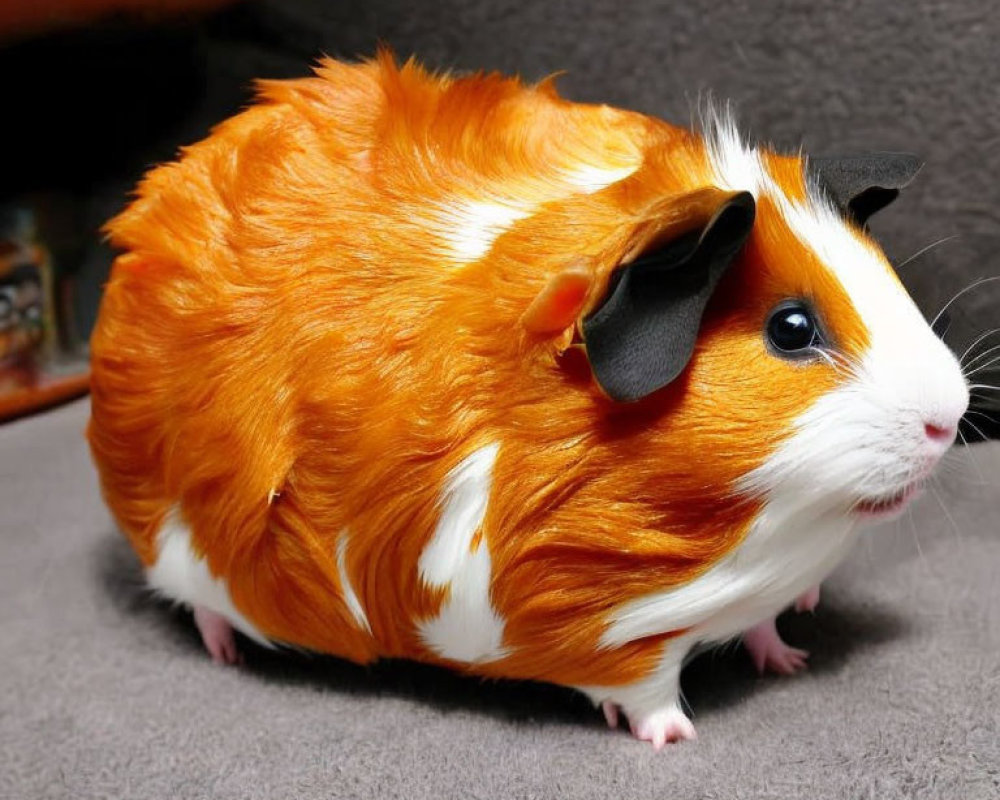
<point>668,724</point>
<point>769,652</point>
<point>808,600</point>
<point>218,636</point>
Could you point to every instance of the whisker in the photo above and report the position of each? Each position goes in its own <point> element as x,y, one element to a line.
<point>981,356</point>
<point>972,455</point>
<point>984,386</point>
<point>964,291</point>
<point>947,513</point>
<point>968,349</point>
<point>916,535</point>
<point>975,427</point>
<point>825,356</point>
<point>920,252</point>
<point>981,367</point>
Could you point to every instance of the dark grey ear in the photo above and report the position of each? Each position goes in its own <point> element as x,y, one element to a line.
<point>643,334</point>
<point>860,185</point>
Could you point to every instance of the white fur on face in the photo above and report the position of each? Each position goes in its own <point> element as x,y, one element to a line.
<point>181,575</point>
<point>467,627</point>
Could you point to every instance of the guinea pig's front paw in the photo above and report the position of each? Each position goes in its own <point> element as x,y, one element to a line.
<point>218,636</point>
<point>769,652</point>
<point>668,724</point>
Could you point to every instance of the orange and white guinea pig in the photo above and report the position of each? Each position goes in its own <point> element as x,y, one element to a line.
<point>451,369</point>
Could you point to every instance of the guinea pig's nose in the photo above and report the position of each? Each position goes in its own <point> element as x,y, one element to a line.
<point>942,434</point>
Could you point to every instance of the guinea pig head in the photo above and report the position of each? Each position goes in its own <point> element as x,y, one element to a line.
<point>766,347</point>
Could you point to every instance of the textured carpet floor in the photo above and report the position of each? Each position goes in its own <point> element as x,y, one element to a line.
<point>105,693</point>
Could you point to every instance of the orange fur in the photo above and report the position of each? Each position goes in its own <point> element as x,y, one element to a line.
<point>289,347</point>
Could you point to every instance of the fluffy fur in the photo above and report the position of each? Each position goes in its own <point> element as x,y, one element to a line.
<point>318,325</point>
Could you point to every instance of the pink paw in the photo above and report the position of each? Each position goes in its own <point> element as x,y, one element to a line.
<point>769,652</point>
<point>666,725</point>
<point>610,713</point>
<point>218,636</point>
<point>808,600</point>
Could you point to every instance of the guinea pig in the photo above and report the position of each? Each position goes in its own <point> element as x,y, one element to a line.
<point>448,368</point>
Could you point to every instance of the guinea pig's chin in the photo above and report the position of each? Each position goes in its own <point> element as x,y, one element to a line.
<point>889,506</point>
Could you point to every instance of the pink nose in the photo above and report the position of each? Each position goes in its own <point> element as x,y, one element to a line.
<point>942,435</point>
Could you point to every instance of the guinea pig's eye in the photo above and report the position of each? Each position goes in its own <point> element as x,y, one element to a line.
<point>792,329</point>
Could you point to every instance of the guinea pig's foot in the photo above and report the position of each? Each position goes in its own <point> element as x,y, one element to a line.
<point>769,652</point>
<point>668,724</point>
<point>610,713</point>
<point>218,636</point>
<point>808,600</point>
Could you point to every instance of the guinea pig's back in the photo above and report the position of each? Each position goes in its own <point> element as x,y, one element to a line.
<point>209,320</point>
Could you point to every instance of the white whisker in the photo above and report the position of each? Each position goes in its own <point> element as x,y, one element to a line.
<point>964,291</point>
<point>981,356</point>
<point>968,349</point>
<point>920,252</point>
<point>971,454</point>
<point>975,427</point>
<point>981,367</point>
<point>947,513</point>
<point>916,535</point>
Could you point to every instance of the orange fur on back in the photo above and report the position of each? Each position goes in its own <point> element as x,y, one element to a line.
<point>298,340</point>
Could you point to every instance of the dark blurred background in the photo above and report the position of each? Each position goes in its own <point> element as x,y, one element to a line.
<point>91,103</point>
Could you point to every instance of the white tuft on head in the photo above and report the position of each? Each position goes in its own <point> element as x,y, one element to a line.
<point>736,164</point>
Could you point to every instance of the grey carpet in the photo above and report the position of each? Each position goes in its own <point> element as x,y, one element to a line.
<point>105,693</point>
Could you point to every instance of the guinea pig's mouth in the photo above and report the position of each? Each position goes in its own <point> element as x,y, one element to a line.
<point>888,505</point>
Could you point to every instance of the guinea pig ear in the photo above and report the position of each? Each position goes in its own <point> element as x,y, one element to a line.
<point>860,185</point>
<point>643,334</point>
<point>557,307</point>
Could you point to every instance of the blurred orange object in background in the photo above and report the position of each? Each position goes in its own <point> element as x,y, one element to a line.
<point>20,18</point>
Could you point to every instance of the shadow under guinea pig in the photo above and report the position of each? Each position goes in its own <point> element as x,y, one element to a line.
<point>715,679</point>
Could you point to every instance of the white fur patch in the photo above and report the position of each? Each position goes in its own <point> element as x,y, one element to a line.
<point>589,179</point>
<point>467,628</point>
<point>350,597</point>
<point>470,227</point>
<point>181,575</point>
<point>476,225</point>
<point>737,167</point>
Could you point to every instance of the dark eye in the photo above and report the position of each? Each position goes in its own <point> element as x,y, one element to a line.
<point>792,329</point>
